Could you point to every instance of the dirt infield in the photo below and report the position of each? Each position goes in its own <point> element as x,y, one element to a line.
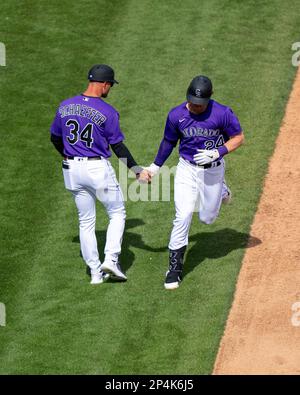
<point>259,337</point>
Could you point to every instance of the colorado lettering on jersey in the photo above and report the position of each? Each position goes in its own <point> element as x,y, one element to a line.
<point>197,131</point>
<point>84,111</point>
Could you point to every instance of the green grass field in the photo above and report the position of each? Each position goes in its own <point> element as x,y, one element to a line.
<point>56,321</point>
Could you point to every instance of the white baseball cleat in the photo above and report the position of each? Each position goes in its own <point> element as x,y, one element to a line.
<point>98,278</point>
<point>113,268</point>
<point>228,197</point>
<point>171,286</point>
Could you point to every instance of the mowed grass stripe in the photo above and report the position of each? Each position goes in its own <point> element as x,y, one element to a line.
<point>61,324</point>
<point>33,193</point>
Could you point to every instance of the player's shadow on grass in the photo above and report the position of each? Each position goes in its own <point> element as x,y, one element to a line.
<point>130,239</point>
<point>216,245</point>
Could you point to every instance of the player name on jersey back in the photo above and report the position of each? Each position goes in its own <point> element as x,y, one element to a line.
<point>82,110</point>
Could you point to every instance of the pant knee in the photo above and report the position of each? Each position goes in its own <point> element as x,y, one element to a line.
<point>87,223</point>
<point>87,217</point>
<point>122,212</point>
<point>207,219</point>
<point>119,213</point>
<point>183,218</point>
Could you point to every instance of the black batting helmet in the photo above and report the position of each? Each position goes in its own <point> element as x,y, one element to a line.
<point>199,90</point>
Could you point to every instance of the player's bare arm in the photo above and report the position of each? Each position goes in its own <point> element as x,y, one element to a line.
<point>235,142</point>
<point>206,131</point>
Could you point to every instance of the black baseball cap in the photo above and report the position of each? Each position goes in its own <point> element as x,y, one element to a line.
<point>102,73</point>
<point>199,90</point>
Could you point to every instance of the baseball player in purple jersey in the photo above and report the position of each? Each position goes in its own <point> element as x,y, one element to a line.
<point>84,131</point>
<point>207,131</point>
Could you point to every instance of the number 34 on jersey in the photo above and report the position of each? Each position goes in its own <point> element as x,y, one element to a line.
<point>85,135</point>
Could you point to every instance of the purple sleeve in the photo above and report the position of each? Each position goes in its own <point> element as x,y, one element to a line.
<point>56,125</point>
<point>113,132</point>
<point>171,133</point>
<point>171,136</point>
<point>164,151</point>
<point>231,124</point>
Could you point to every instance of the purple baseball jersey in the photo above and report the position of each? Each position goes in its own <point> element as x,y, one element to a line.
<point>208,130</point>
<point>87,125</point>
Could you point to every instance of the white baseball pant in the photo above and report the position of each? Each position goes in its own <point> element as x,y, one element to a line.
<point>89,180</point>
<point>195,189</point>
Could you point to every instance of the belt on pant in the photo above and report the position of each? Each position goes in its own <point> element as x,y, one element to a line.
<point>87,157</point>
<point>208,165</point>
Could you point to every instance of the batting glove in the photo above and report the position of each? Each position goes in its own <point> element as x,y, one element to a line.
<point>206,156</point>
<point>153,168</point>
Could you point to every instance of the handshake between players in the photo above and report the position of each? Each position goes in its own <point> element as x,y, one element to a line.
<point>144,176</point>
<point>86,129</point>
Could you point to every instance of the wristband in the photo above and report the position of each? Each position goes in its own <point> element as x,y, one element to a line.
<point>154,168</point>
<point>223,150</point>
<point>137,169</point>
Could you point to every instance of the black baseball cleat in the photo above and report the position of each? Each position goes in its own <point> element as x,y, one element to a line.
<point>173,279</point>
<point>174,274</point>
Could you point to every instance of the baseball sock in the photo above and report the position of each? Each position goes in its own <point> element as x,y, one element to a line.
<point>176,259</point>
